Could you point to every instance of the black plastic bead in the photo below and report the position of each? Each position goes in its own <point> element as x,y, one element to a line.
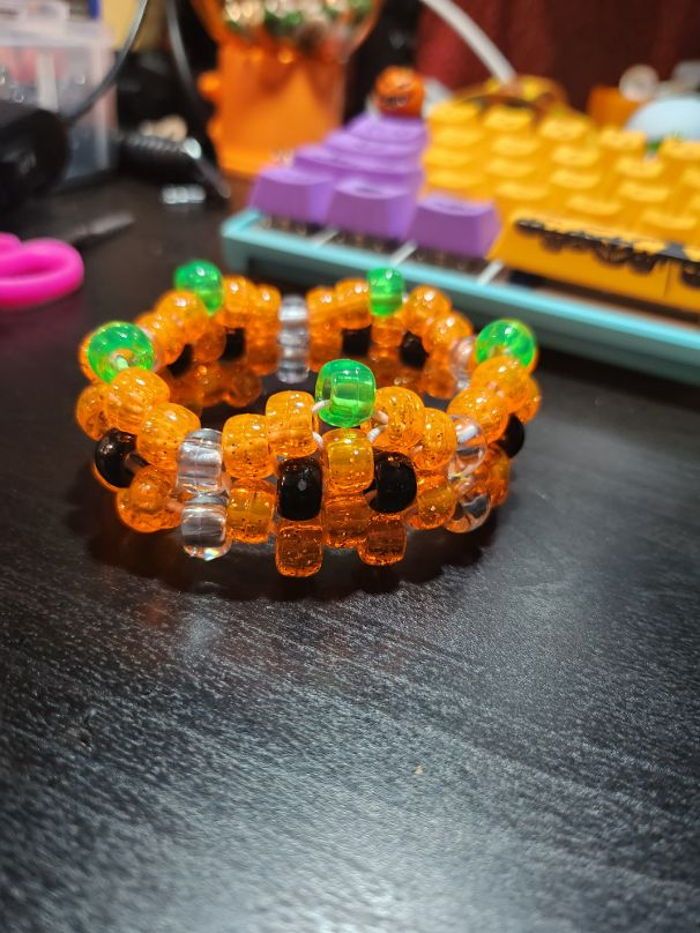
<point>357,342</point>
<point>513,437</point>
<point>180,366</point>
<point>235,344</point>
<point>110,457</point>
<point>412,351</point>
<point>299,489</point>
<point>395,483</point>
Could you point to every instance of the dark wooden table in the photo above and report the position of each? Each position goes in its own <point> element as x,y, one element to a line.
<point>497,735</point>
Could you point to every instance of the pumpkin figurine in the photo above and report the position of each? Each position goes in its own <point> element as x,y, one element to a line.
<point>399,92</point>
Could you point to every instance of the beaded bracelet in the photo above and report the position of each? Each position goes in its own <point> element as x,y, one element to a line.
<point>385,463</point>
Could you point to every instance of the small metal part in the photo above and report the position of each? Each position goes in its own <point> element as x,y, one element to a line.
<point>182,195</point>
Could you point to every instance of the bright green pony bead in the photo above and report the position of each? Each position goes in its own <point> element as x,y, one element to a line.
<point>386,289</point>
<point>203,278</point>
<point>349,389</point>
<point>119,345</point>
<point>506,337</point>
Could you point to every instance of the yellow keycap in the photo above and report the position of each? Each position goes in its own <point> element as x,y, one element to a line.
<point>638,168</point>
<point>510,120</point>
<point>680,228</point>
<point>680,153</point>
<point>636,197</point>
<point>459,184</point>
<point>593,210</point>
<point>509,170</point>
<point>438,159</point>
<point>513,195</point>
<point>560,130</point>
<point>515,147</point>
<point>453,114</point>
<point>578,158</point>
<point>565,183</point>
<point>457,138</point>
<point>614,142</point>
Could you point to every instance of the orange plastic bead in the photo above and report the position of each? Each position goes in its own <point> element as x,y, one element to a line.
<point>250,512</point>
<point>130,397</point>
<point>291,424</point>
<point>208,378</point>
<point>406,414</point>
<point>267,307</point>
<point>505,376</point>
<point>385,365</point>
<point>143,506</point>
<point>439,441</point>
<point>494,475</point>
<point>349,461</point>
<point>261,352</point>
<point>435,502</point>
<point>299,548</point>
<point>187,311</point>
<point>437,377</point>
<point>211,344</point>
<point>165,428</point>
<point>446,331</point>
<point>423,305</point>
<point>165,336</point>
<point>533,400</point>
<point>385,541</point>
<point>89,411</point>
<point>324,346</point>
<point>246,448</point>
<point>345,519</point>
<point>323,311</point>
<point>388,331</point>
<point>352,298</point>
<point>85,367</point>
<point>485,407</point>
<point>240,296</point>
<point>240,384</point>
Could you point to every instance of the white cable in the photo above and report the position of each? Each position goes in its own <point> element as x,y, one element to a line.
<point>475,37</point>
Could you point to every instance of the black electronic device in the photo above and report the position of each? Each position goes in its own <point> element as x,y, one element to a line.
<point>33,151</point>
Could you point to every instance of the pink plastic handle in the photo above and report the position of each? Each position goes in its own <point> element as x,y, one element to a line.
<point>37,271</point>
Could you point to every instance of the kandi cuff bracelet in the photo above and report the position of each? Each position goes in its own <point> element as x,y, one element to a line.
<point>356,466</point>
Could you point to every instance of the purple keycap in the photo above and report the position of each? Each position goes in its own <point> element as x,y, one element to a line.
<point>465,228</point>
<point>380,129</point>
<point>373,209</point>
<point>323,160</point>
<point>282,191</point>
<point>350,145</point>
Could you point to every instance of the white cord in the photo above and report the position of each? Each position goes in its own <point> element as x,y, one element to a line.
<point>475,37</point>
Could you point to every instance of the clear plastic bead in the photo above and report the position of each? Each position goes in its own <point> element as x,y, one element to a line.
<point>460,356</point>
<point>293,340</point>
<point>203,527</point>
<point>472,510</point>
<point>200,462</point>
<point>471,448</point>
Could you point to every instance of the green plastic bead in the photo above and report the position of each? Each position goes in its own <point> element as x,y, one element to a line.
<point>386,289</point>
<point>350,390</point>
<point>119,345</point>
<point>203,278</point>
<point>508,337</point>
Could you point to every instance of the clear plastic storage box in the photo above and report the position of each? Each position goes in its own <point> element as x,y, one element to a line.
<point>52,61</point>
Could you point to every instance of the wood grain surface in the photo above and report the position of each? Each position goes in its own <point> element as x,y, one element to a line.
<point>500,734</point>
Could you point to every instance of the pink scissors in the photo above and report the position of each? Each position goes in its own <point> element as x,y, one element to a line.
<point>37,271</point>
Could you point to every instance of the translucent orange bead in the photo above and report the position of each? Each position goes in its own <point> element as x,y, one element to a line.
<point>352,298</point>
<point>533,400</point>
<point>246,448</point>
<point>143,506</point>
<point>345,519</point>
<point>406,417</point>
<point>291,424</point>
<point>299,548</point>
<point>349,461</point>
<point>385,541</point>
<point>130,397</point>
<point>494,475</point>
<point>85,367</point>
<point>446,331</point>
<point>485,407</point>
<point>164,429</point>
<point>267,308</point>
<point>504,375</point>
<point>437,377</point>
<point>423,305</point>
<point>435,502</point>
<point>208,378</point>
<point>262,352</point>
<point>240,297</point>
<point>388,331</point>
<point>210,345</point>
<point>187,311</point>
<point>385,365</point>
<point>165,337</point>
<point>89,411</point>
<point>323,311</point>
<point>439,441</point>
<point>250,512</point>
<point>240,384</point>
<point>324,346</point>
